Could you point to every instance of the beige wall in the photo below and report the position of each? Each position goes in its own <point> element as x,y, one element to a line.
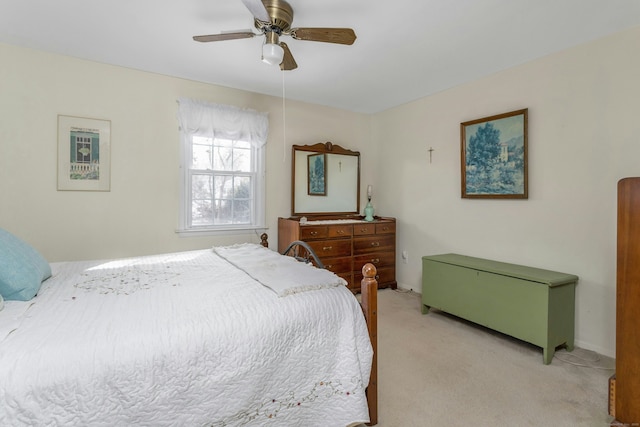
<point>139,214</point>
<point>584,135</point>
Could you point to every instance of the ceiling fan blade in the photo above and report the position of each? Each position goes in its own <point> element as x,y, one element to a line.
<point>288,63</point>
<point>225,36</point>
<point>257,9</point>
<point>327,35</point>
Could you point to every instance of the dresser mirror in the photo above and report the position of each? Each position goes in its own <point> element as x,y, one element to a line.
<point>325,180</point>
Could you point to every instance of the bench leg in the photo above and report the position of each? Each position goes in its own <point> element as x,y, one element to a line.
<point>425,309</point>
<point>549,351</point>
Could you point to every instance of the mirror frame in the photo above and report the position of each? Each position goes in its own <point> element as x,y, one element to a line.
<point>322,148</point>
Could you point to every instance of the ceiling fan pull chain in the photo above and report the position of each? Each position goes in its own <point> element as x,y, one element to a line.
<point>284,122</point>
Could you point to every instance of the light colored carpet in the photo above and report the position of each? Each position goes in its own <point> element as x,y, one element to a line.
<point>439,370</point>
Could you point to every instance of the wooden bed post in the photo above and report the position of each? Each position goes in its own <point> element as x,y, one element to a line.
<point>369,290</point>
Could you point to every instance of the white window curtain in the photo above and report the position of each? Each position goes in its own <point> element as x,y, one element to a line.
<point>203,118</point>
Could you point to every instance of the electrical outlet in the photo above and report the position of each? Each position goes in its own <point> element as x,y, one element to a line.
<point>405,257</point>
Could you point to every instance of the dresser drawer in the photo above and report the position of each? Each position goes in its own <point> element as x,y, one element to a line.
<point>364,228</point>
<point>386,227</point>
<point>324,231</point>
<point>313,232</point>
<point>379,259</point>
<point>367,228</point>
<point>339,265</point>
<point>375,243</point>
<point>331,248</point>
<point>340,230</point>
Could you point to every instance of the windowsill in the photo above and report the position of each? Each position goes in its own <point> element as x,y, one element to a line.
<point>220,231</point>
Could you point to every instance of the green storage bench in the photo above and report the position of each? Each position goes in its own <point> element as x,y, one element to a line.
<point>531,304</point>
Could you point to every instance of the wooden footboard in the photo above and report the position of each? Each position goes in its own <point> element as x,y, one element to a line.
<point>369,302</point>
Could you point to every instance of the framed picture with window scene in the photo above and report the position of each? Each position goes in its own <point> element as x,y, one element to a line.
<point>84,162</point>
<point>317,174</point>
<point>494,156</point>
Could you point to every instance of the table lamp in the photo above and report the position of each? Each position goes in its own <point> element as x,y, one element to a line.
<point>368,210</point>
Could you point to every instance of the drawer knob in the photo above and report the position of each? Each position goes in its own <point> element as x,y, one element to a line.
<point>314,233</point>
<point>375,244</point>
<point>363,230</point>
<point>340,231</point>
<point>375,260</point>
<point>327,248</point>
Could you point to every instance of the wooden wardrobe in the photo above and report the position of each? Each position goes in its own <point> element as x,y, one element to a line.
<point>625,385</point>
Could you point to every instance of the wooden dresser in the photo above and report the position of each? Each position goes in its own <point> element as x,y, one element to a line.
<point>344,246</point>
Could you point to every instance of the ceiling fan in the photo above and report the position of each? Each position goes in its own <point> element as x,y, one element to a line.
<point>273,19</point>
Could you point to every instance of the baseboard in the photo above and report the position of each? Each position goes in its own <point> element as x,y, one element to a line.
<point>600,350</point>
<point>406,287</point>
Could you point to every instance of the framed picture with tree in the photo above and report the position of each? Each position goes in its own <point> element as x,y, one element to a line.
<point>494,157</point>
<point>317,175</point>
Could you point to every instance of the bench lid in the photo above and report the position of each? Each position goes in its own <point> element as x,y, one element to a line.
<point>548,277</point>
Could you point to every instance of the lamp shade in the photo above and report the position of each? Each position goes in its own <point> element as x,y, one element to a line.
<point>272,54</point>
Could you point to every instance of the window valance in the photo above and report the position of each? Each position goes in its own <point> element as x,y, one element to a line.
<point>220,121</point>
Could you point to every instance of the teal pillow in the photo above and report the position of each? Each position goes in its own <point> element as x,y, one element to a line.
<point>22,268</point>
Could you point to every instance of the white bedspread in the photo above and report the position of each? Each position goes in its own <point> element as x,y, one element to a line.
<point>182,339</point>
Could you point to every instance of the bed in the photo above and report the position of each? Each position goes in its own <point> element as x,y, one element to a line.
<point>229,336</point>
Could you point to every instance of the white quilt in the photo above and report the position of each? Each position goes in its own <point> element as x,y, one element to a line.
<point>184,339</point>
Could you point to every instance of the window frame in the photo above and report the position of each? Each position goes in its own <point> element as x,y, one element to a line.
<point>257,223</point>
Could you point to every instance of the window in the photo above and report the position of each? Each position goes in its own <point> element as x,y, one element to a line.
<point>222,168</point>
<point>221,181</point>
<point>83,149</point>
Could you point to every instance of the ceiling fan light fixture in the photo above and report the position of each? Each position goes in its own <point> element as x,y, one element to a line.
<point>272,53</point>
<point>272,19</point>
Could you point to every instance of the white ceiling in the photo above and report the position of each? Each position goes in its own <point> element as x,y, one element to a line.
<point>405,50</point>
